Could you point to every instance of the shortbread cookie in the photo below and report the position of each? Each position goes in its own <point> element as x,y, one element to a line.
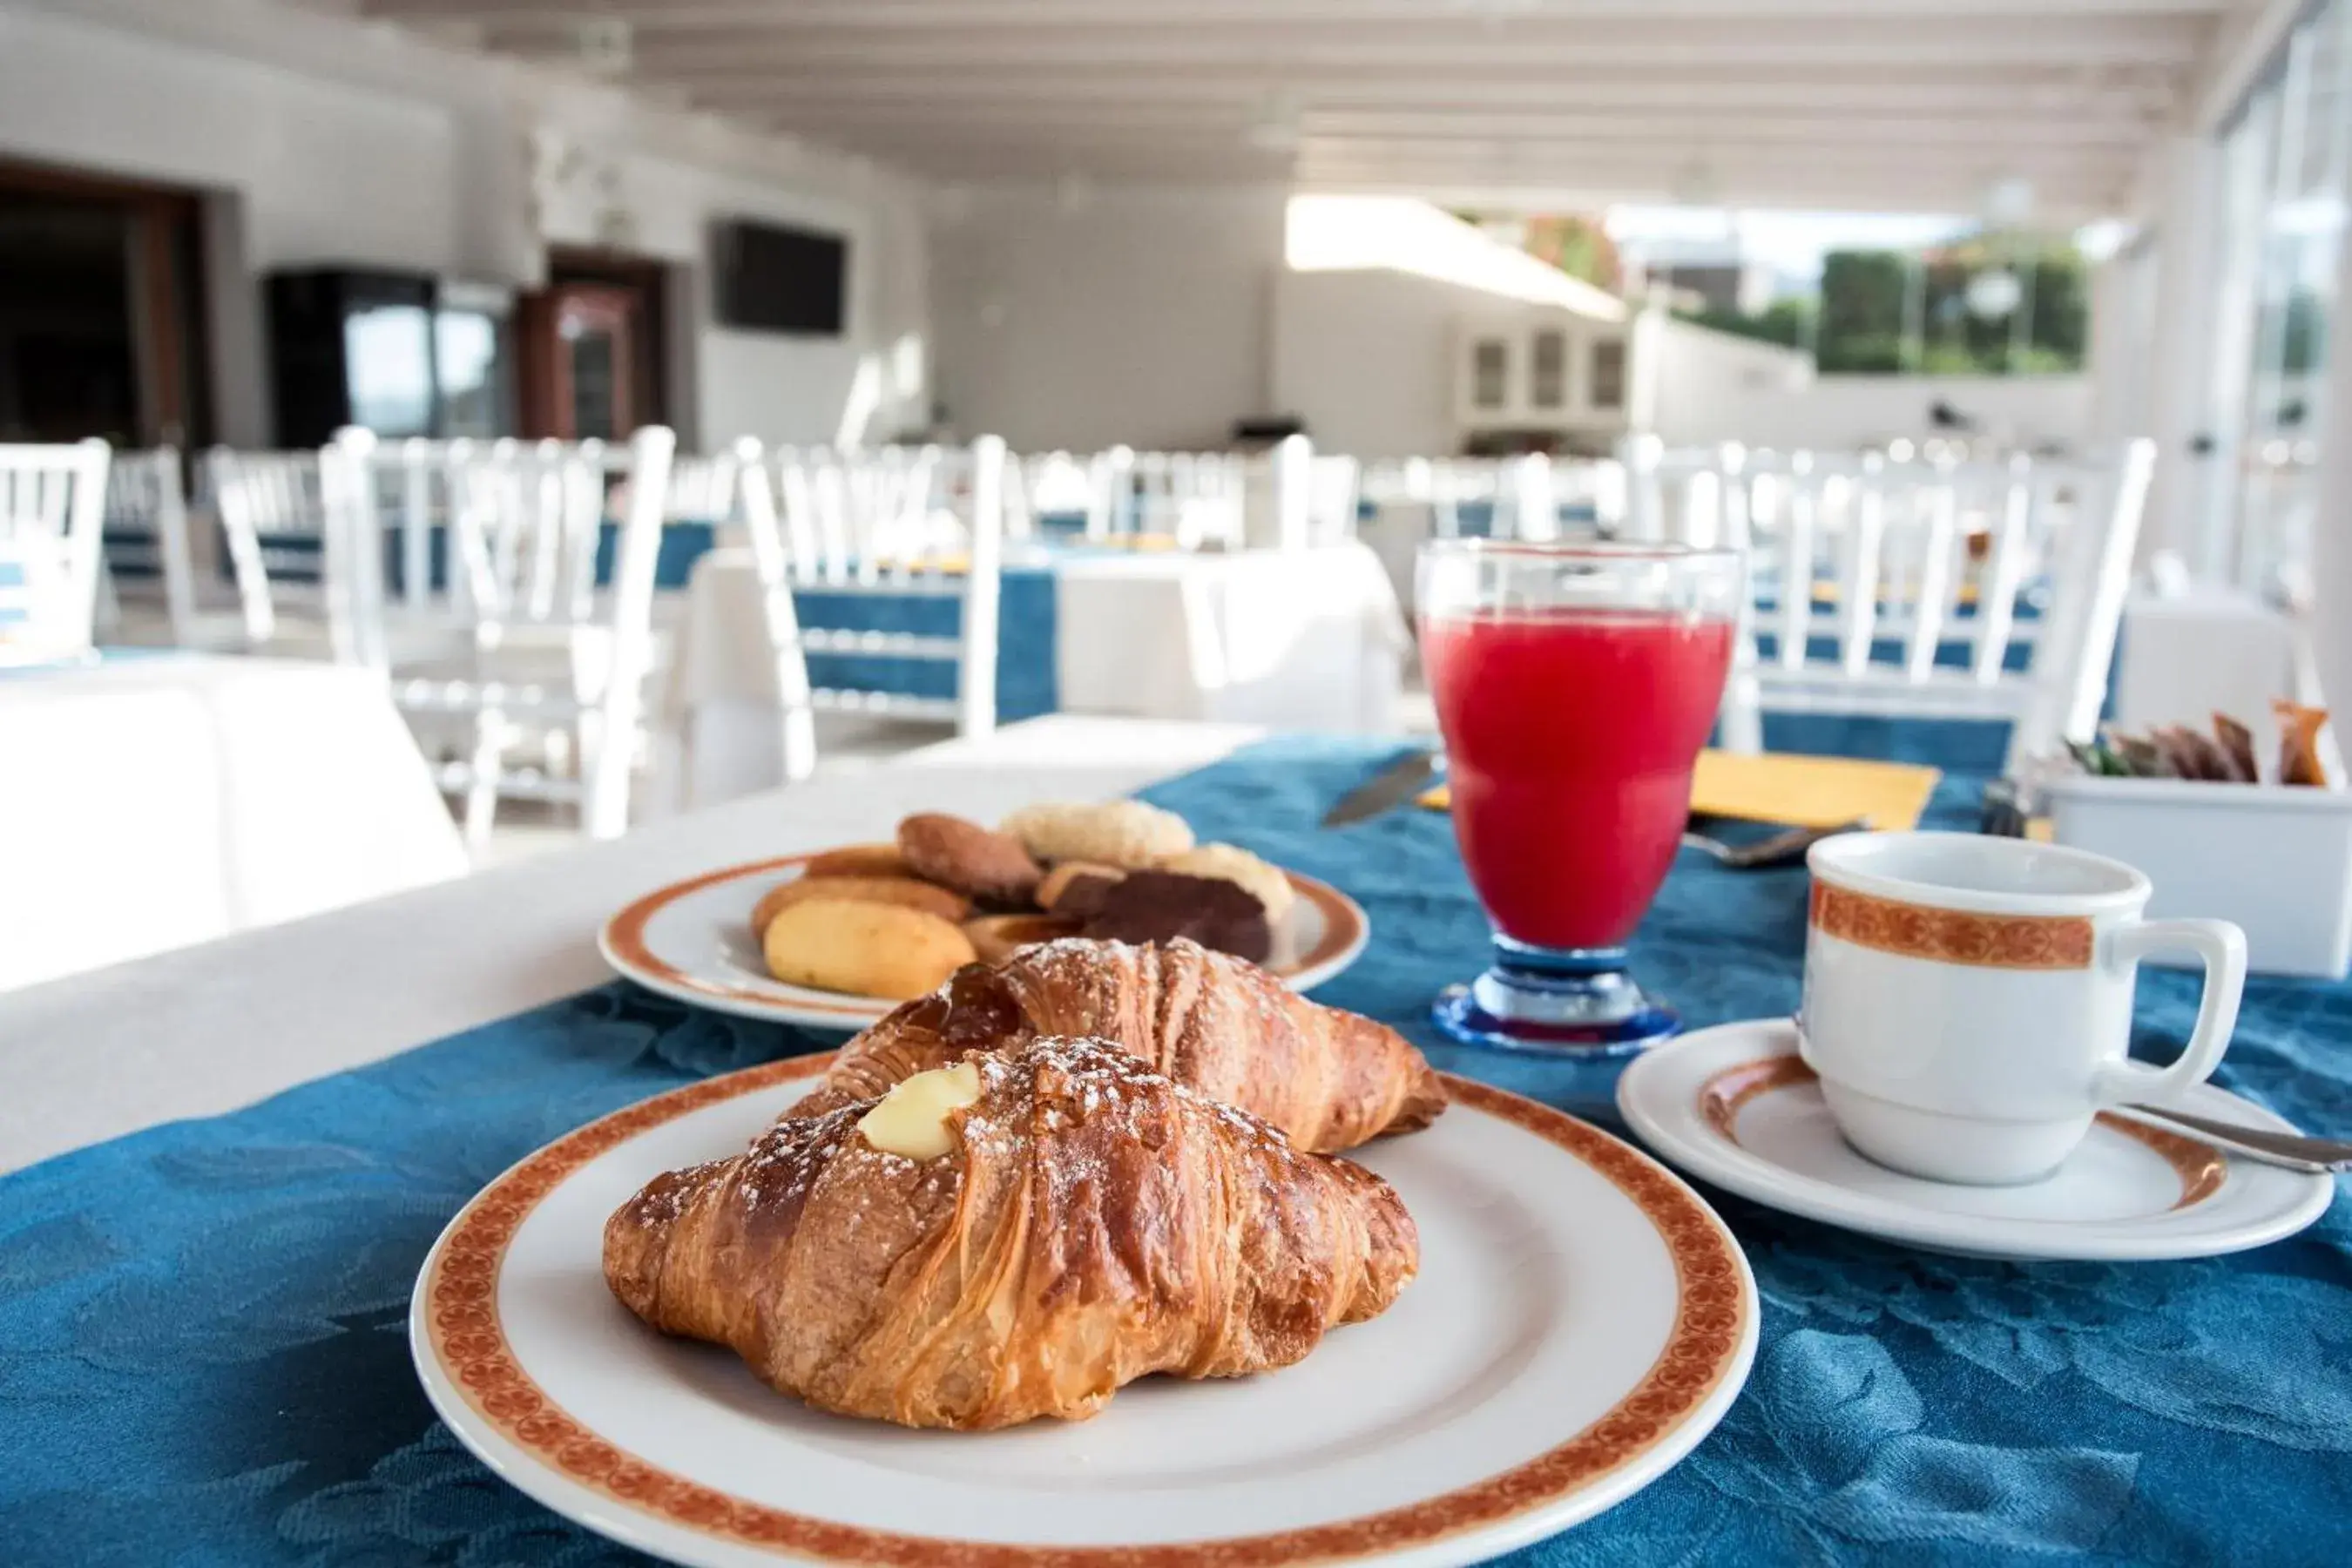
<point>904,891</point>
<point>1236,865</point>
<point>1123,833</point>
<point>1001,936</point>
<point>857,860</point>
<point>990,866</point>
<point>864,949</point>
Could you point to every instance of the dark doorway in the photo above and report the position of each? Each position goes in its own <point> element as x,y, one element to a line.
<point>592,347</point>
<point>100,311</point>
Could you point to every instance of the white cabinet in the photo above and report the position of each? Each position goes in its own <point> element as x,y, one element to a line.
<point>1547,370</point>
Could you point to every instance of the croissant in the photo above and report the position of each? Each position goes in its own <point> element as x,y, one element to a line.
<point>1328,1079</point>
<point>1013,1236</point>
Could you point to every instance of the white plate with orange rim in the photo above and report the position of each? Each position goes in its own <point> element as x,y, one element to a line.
<point>1737,1105</point>
<point>692,940</point>
<point>1580,1320</point>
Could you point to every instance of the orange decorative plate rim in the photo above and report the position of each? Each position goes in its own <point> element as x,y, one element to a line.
<point>2201,1168</point>
<point>455,1319</point>
<point>1664,1096</point>
<point>622,939</point>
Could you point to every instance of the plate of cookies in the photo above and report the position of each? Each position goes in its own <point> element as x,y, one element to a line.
<point>837,938</point>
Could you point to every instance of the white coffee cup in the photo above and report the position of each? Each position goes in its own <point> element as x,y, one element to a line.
<point>1968,999</point>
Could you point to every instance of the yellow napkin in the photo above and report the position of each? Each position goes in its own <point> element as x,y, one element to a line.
<point>1827,595</point>
<point>1803,792</point>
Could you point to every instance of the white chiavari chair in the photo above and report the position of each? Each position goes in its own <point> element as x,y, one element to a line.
<point>557,665</point>
<point>1864,572</point>
<point>1110,492</point>
<point>1043,485</point>
<point>52,507</point>
<point>703,489</point>
<point>293,585</point>
<point>1196,498</point>
<point>1467,495</point>
<point>1334,489</point>
<point>149,564</point>
<point>808,536</point>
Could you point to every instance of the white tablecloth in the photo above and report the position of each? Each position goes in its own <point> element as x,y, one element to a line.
<point>206,1029</point>
<point>1310,639</point>
<point>149,803</point>
<point>1301,639</point>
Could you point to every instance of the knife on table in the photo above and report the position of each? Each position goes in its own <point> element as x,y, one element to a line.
<point>1394,786</point>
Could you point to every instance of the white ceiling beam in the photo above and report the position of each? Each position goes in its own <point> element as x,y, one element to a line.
<point>1882,191</point>
<point>1992,94</point>
<point>2242,47</point>
<point>687,15</point>
<point>1504,155</point>
<point>1475,125</point>
<point>1574,50</point>
<point>2060,195</point>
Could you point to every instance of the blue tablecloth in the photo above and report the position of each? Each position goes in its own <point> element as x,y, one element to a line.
<point>1028,642</point>
<point>1028,678</point>
<point>202,1358</point>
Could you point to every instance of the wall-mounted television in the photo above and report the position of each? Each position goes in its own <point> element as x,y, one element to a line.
<point>771,278</point>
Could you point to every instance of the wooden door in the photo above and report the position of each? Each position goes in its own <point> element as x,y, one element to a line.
<point>101,310</point>
<point>584,348</point>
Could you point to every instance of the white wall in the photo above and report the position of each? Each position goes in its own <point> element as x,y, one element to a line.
<point>1366,358</point>
<point>1083,318</point>
<point>344,141</point>
<point>1711,386</point>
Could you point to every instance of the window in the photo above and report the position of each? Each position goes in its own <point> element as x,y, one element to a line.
<point>1548,372</point>
<point>2282,166</point>
<point>1490,373</point>
<point>1609,372</point>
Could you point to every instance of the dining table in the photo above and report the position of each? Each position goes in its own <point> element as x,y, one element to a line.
<point>1308,638</point>
<point>150,799</point>
<point>226,1165</point>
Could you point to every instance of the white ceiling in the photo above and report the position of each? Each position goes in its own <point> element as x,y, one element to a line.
<point>1909,104</point>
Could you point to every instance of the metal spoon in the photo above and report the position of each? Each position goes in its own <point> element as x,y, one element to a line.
<point>2290,1150</point>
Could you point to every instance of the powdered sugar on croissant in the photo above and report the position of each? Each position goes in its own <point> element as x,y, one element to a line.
<point>1328,1079</point>
<point>1090,1223</point>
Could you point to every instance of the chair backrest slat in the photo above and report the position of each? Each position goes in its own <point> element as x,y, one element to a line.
<point>1795,586</point>
<point>1936,515</point>
<point>2092,561</point>
<point>906,525</point>
<point>1858,575</point>
<point>2005,568</point>
<point>146,530</point>
<point>52,516</point>
<point>1901,535</point>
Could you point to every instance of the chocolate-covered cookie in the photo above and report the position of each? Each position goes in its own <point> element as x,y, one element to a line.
<point>1161,906</point>
<point>1077,888</point>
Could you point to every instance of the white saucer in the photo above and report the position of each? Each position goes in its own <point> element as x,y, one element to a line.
<point>1735,1106</point>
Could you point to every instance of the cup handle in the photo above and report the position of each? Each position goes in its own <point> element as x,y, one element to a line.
<point>2222,947</point>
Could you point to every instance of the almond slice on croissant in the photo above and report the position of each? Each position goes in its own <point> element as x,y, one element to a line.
<point>1087,1223</point>
<point>1328,1079</point>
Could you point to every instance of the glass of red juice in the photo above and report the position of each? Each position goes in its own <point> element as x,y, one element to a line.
<point>1575,685</point>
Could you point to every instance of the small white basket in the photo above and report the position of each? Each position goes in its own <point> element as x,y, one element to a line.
<point>2275,859</point>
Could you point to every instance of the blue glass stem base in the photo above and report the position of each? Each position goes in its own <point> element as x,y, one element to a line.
<point>1567,1002</point>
